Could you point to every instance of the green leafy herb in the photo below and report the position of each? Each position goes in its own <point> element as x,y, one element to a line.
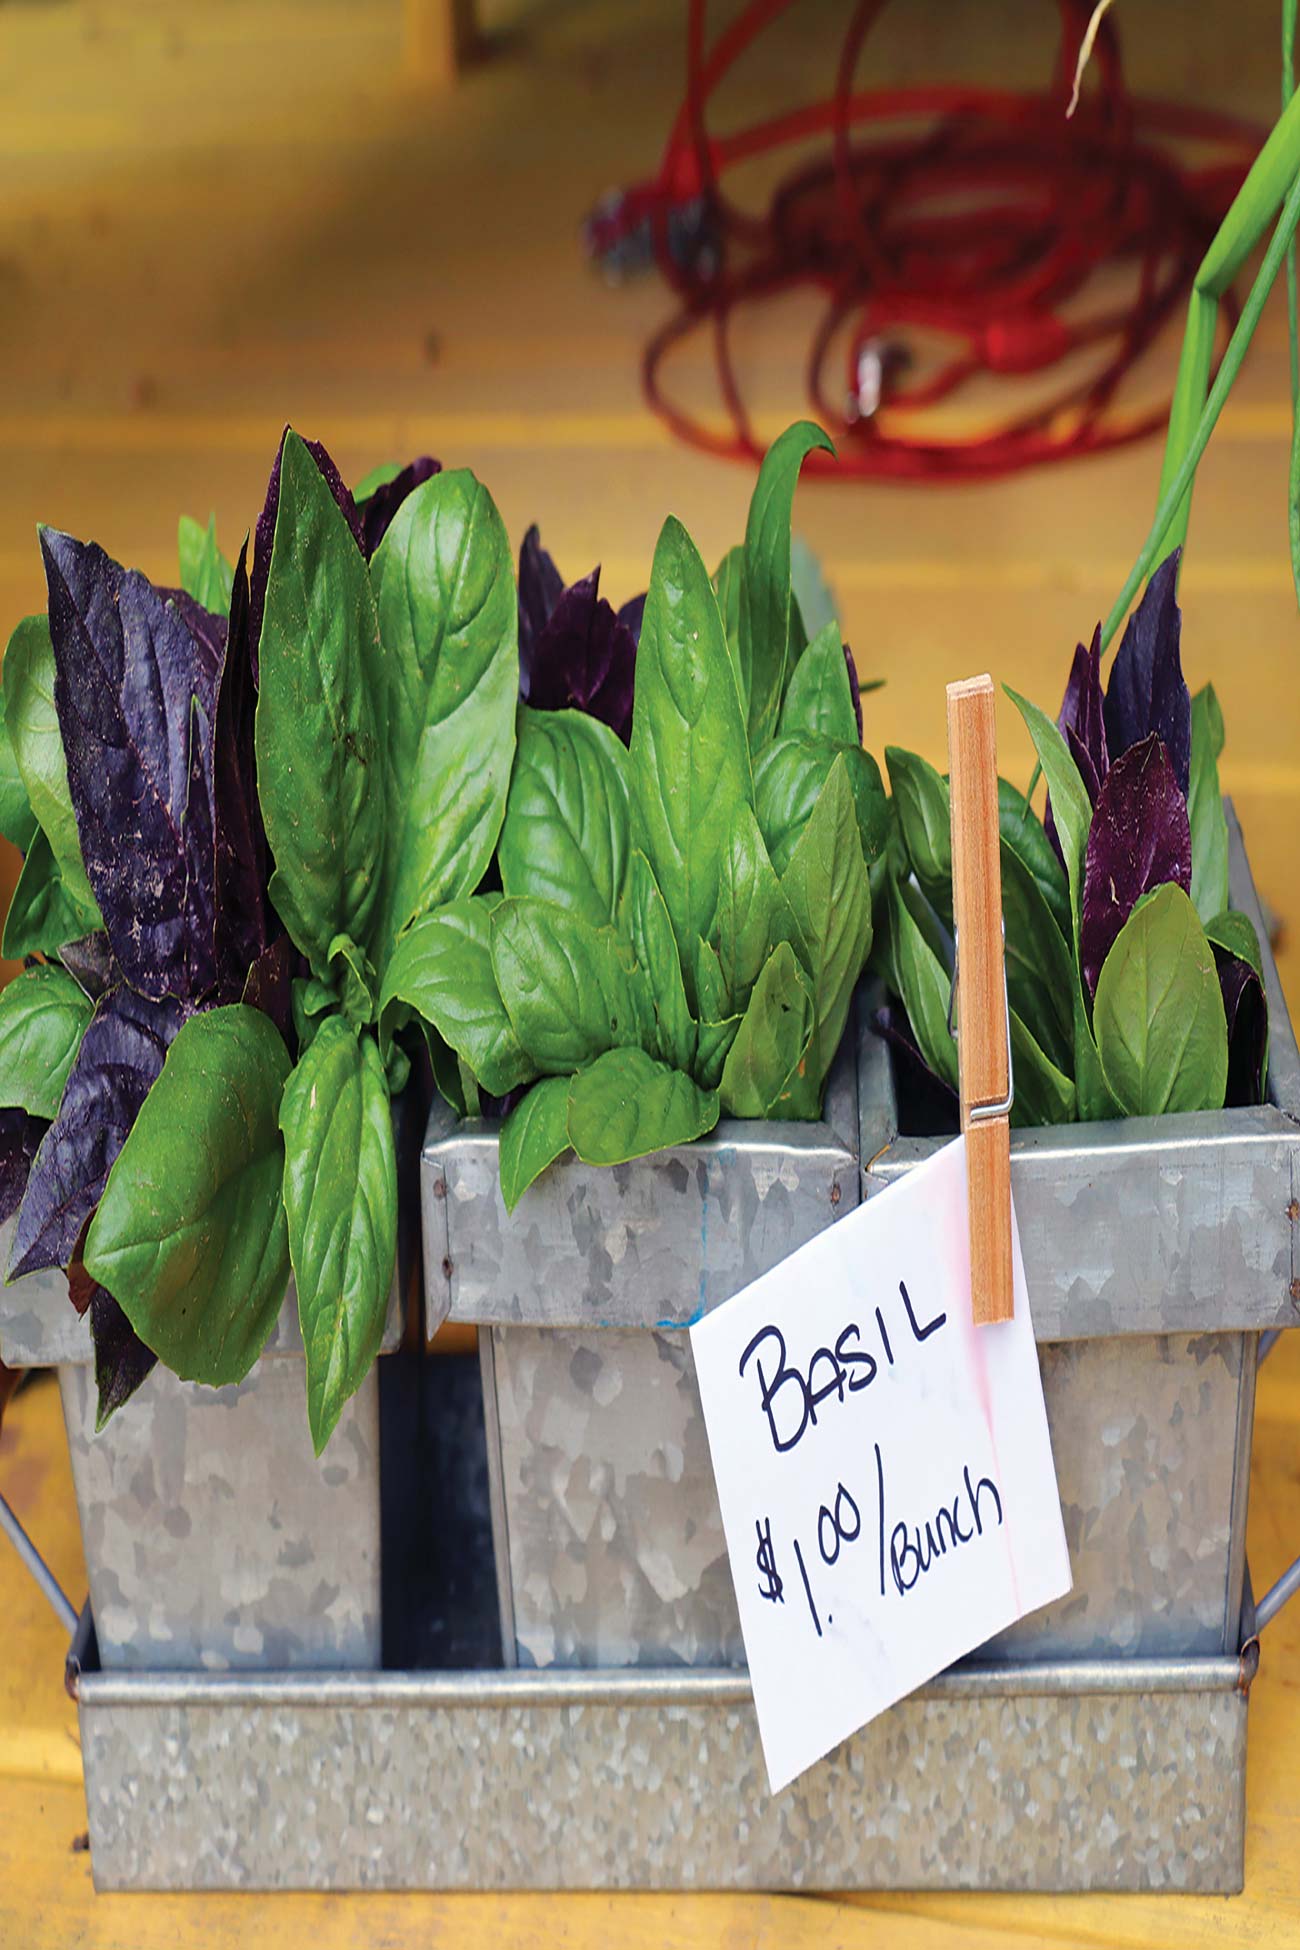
<point>689,756</point>
<point>565,987</point>
<point>445,694</point>
<point>43,1016</point>
<point>566,836</point>
<point>668,1030</point>
<point>32,723</point>
<point>533,1136</point>
<point>319,763</point>
<point>1205,809</point>
<point>190,1237</point>
<point>761,1076</point>
<point>1159,1019</point>
<point>818,698</point>
<point>442,968</point>
<point>769,618</point>
<point>829,893</point>
<point>340,1197</point>
<point>205,573</point>
<point>625,1105</point>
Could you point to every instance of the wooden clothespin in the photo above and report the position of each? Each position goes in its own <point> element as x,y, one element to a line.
<point>980,981</point>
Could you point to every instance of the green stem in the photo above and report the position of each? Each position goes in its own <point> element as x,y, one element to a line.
<point>1269,178</point>
<point>1159,540</point>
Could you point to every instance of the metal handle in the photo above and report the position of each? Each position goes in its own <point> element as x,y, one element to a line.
<point>39,1569</point>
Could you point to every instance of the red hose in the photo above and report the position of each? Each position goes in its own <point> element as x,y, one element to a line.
<point>980,218</point>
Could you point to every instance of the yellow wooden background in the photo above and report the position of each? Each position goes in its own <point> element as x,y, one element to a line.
<point>215,217</point>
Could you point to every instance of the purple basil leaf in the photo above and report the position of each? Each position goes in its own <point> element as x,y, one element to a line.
<point>927,1104</point>
<point>1084,711</point>
<point>855,688</point>
<point>1083,759</point>
<point>1139,838</point>
<point>241,865</point>
<point>122,1361</point>
<point>378,509</point>
<point>633,610</point>
<point>1082,725</point>
<point>269,985</point>
<point>1247,1013</point>
<point>208,629</point>
<point>264,534</point>
<point>583,659</point>
<point>1147,691</point>
<point>20,1137</point>
<point>135,692</point>
<point>121,1053</point>
<point>90,963</point>
<point>540,588</point>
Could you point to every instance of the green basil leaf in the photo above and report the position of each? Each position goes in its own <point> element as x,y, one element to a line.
<point>924,985</point>
<point>533,1136</point>
<point>340,1197</point>
<point>1040,975</point>
<point>1023,831</point>
<point>789,779</point>
<point>353,975</point>
<point>1092,1094</point>
<point>753,913</point>
<point>689,758</point>
<point>727,579</point>
<point>710,983</point>
<point>17,820</point>
<point>442,968</point>
<point>626,1105</point>
<point>205,573</point>
<point>33,727</point>
<point>1158,1012</point>
<point>688,751</point>
<point>924,823</point>
<point>713,1039</point>
<point>445,592</point>
<point>319,755</point>
<point>564,985</point>
<point>818,699</point>
<point>762,1074</point>
<point>566,835</point>
<point>829,893</point>
<point>812,592</point>
<point>42,915</point>
<point>667,1029</point>
<point>1043,1094</point>
<point>43,1016</point>
<point>446,1067</point>
<point>1071,807</point>
<point>369,484</point>
<point>1235,933</point>
<point>1205,810</point>
<point>189,1237</point>
<point>767,612</point>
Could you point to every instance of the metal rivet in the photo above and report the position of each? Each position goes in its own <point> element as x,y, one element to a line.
<point>1295,1293</point>
<point>446,1271</point>
<point>835,1194</point>
<point>1293,1210</point>
<point>440,1188</point>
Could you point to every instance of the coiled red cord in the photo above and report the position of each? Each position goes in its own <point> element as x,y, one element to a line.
<point>982,219</point>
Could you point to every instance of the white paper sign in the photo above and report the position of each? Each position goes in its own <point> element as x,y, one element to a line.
<point>883,1465</point>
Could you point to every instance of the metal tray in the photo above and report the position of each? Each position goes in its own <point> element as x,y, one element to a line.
<point>454,1774</point>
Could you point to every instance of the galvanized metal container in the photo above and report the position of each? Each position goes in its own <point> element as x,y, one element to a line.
<point>1104,1774</point>
<point>1010,1777</point>
<point>1156,1252</point>
<point>213,1536</point>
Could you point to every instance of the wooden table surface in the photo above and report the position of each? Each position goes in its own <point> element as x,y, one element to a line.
<point>217,218</point>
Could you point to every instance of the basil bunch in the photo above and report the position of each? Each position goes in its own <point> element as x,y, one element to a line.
<point>1134,988</point>
<point>336,755</point>
<point>681,923</point>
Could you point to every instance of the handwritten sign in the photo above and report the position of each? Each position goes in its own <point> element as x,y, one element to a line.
<point>883,1465</point>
